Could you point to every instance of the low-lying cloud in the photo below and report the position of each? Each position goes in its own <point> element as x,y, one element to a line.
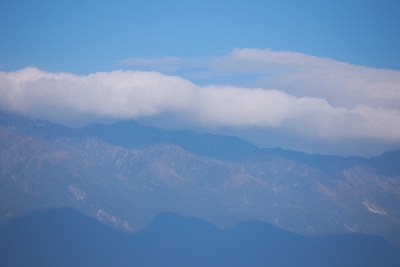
<point>306,95</point>
<point>341,84</point>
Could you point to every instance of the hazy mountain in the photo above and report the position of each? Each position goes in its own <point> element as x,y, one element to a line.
<point>125,174</point>
<point>67,238</point>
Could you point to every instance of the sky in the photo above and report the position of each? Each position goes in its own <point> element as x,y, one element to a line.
<point>318,76</point>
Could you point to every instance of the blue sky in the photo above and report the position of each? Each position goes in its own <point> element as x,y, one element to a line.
<point>87,36</point>
<point>320,76</point>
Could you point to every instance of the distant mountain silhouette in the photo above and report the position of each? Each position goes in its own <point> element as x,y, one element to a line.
<point>130,134</point>
<point>387,163</point>
<point>34,127</point>
<point>65,237</point>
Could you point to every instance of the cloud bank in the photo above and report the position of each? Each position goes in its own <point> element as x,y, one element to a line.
<point>341,84</point>
<point>305,95</point>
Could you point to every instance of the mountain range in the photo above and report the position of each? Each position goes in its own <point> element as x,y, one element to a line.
<point>64,237</point>
<point>125,174</point>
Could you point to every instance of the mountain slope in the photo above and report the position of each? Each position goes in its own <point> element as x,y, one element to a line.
<point>126,184</point>
<point>67,238</point>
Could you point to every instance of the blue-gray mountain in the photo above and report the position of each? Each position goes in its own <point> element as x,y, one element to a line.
<point>125,174</point>
<point>65,237</point>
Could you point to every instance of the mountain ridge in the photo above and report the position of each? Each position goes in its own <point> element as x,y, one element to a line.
<point>127,185</point>
<point>65,237</point>
<point>115,133</point>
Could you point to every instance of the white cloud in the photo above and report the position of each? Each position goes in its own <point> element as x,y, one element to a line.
<point>341,84</point>
<point>305,95</point>
<point>118,94</point>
